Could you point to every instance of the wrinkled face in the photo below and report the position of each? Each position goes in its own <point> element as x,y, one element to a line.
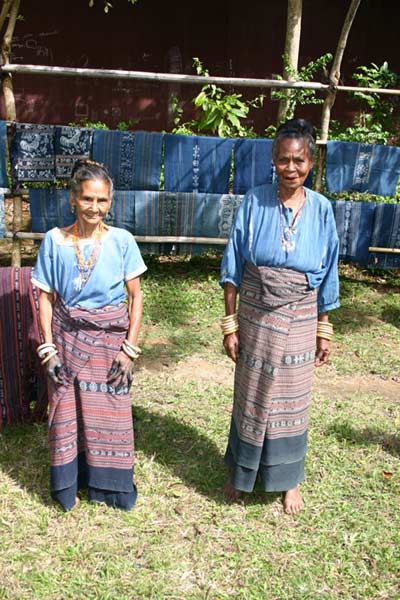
<point>93,201</point>
<point>292,163</point>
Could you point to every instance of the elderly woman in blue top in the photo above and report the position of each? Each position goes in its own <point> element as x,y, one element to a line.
<point>282,257</point>
<point>90,335</point>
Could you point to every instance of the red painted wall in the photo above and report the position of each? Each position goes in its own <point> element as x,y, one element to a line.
<point>230,37</point>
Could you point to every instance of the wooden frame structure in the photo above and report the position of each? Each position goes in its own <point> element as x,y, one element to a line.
<point>43,70</point>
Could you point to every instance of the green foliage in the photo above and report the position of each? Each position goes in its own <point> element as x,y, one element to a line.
<point>376,122</point>
<point>293,97</point>
<point>374,134</point>
<point>378,109</point>
<point>127,125</point>
<point>219,113</point>
<point>89,124</point>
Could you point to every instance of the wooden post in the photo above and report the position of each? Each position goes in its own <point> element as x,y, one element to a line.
<point>335,70</point>
<point>11,8</point>
<point>292,47</point>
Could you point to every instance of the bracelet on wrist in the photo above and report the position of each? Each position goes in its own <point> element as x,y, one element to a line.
<point>48,357</point>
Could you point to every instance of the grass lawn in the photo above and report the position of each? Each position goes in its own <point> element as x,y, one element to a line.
<point>182,542</point>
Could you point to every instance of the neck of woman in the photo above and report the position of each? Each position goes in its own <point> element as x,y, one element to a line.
<point>85,230</point>
<point>291,198</point>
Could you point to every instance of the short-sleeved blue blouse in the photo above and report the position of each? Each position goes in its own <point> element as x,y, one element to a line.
<point>118,261</point>
<point>256,238</point>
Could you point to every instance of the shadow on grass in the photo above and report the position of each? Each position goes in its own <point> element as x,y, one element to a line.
<point>188,454</point>
<point>24,457</point>
<point>370,435</point>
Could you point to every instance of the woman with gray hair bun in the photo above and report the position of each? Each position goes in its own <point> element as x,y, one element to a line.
<point>90,336</point>
<point>281,258</point>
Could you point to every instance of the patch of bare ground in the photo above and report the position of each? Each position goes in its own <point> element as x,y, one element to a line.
<point>326,381</point>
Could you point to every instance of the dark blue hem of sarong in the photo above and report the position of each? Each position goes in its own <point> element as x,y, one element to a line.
<point>278,464</point>
<point>114,487</point>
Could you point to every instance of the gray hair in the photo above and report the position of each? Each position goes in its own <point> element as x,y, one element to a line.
<point>87,170</point>
<point>295,129</point>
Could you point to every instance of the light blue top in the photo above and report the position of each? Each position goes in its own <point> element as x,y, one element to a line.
<point>256,237</point>
<point>119,260</point>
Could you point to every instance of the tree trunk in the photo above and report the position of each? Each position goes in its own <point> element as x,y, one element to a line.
<point>334,77</point>
<point>292,47</point>
<point>10,7</point>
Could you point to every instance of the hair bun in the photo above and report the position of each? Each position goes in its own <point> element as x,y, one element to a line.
<point>298,126</point>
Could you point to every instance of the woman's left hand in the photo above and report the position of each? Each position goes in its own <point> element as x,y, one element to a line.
<point>323,352</point>
<point>121,370</point>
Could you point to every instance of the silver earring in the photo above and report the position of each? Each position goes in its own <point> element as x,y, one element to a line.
<point>73,209</point>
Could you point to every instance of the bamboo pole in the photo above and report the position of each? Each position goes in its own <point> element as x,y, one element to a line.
<point>147,239</point>
<point>385,250</point>
<point>182,78</point>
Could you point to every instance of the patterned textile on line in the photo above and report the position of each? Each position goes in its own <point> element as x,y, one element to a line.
<point>32,152</point>
<point>23,385</point>
<point>362,168</point>
<point>2,216</point>
<point>50,207</point>
<point>197,164</point>
<point>386,234</point>
<point>132,158</point>
<point>71,144</point>
<point>253,165</point>
<point>268,436</point>
<point>354,224</point>
<point>3,155</point>
<point>90,421</point>
<point>184,214</point>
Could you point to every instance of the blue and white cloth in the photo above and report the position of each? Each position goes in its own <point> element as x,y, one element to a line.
<point>71,144</point>
<point>256,237</point>
<point>184,214</point>
<point>3,155</point>
<point>122,211</point>
<point>362,168</point>
<point>197,164</point>
<point>252,165</point>
<point>50,207</point>
<point>354,224</point>
<point>32,153</point>
<point>132,158</point>
<point>386,234</point>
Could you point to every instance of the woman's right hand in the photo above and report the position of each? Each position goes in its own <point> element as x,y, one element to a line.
<point>231,345</point>
<point>54,368</point>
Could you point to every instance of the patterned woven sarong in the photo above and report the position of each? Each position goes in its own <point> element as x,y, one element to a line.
<point>268,436</point>
<point>23,385</point>
<point>90,421</point>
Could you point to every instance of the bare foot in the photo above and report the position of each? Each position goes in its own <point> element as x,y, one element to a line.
<point>292,501</point>
<point>77,502</point>
<point>231,493</point>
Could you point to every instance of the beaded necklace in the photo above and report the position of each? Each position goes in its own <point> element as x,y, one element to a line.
<point>289,231</point>
<point>86,268</point>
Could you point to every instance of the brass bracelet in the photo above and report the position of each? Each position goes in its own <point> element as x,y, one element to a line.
<point>231,330</point>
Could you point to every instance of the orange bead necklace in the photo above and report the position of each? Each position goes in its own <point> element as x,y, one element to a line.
<point>86,268</point>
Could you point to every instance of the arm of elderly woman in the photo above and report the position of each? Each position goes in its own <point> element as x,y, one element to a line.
<point>323,349</point>
<point>122,366</point>
<point>54,365</point>
<point>231,341</point>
